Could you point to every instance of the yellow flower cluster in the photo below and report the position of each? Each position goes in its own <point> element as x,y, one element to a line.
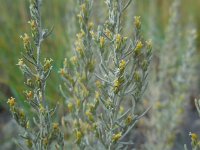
<point>55,126</point>
<point>20,62</point>
<point>33,24</point>
<point>26,39</point>
<point>29,95</point>
<point>11,102</point>
<point>118,38</point>
<point>70,106</point>
<point>108,33</point>
<point>47,64</point>
<point>194,137</point>
<point>137,22</point>
<point>89,115</point>
<point>102,41</point>
<point>116,137</point>
<point>122,66</point>
<point>79,136</point>
<point>128,120</point>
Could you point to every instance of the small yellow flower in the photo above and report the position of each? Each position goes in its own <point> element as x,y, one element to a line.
<point>47,64</point>
<point>128,120</point>
<point>144,64</point>
<point>26,39</point>
<point>62,71</point>
<point>80,35</point>
<point>29,143</point>
<point>149,44</point>
<point>55,126</point>
<point>90,25</point>
<point>65,63</point>
<point>137,22</point>
<point>11,101</point>
<point>116,86</point>
<point>98,84</point>
<point>29,95</point>
<point>102,41</point>
<point>74,59</point>
<point>45,141</point>
<point>80,17</point>
<point>139,45</point>
<point>41,108</point>
<point>79,135</point>
<point>93,34</point>
<point>97,95</point>
<point>194,137</point>
<point>70,106</point>
<point>118,38</point>
<point>33,24</point>
<point>80,48</point>
<point>89,115</point>
<point>21,114</point>
<point>20,62</point>
<point>116,83</point>
<point>108,33</point>
<point>116,137</point>
<point>83,8</point>
<point>122,65</point>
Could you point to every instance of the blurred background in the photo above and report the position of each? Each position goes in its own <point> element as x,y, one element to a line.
<point>173,26</point>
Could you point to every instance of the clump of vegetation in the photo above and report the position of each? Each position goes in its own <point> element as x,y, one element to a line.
<point>104,79</point>
<point>174,75</point>
<point>41,132</point>
<point>107,72</point>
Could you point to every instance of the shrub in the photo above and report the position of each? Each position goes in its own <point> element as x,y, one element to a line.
<point>107,73</point>
<point>41,132</point>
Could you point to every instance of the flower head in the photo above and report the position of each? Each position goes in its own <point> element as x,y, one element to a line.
<point>70,107</point>
<point>108,33</point>
<point>55,126</point>
<point>11,101</point>
<point>137,22</point>
<point>20,62</point>
<point>116,137</point>
<point>79,135</point>
<point>62,71</point>
<point>102,41</point>
<point>139,45</point>
<point>26,39</point>
<point>118,38</point>
<point>194,137</point>
<point>128,120</point>
<point>47,64</point>
<point>122,65</point>
<point>149,44</point>
<point>33,24</point>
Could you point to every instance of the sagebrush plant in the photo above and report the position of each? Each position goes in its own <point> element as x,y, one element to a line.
<point>41,132</point>
<point>107,74</point>
<point>174,75</point>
